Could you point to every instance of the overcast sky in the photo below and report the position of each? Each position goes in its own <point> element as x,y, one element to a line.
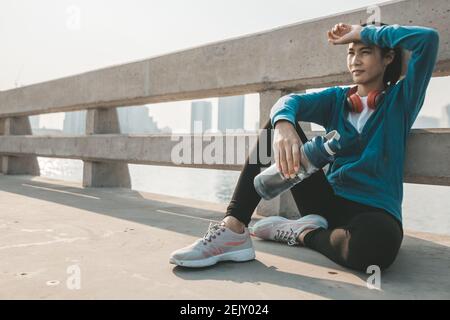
<point>41,40</point>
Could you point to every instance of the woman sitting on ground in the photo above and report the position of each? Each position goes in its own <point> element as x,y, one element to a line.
<point>352,214</point>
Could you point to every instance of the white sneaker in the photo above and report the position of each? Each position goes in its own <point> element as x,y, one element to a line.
<point>281,229</point>
<point>218,244</point>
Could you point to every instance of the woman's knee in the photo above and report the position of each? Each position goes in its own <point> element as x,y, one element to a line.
<point>372,254</point>
<point>375,240</point>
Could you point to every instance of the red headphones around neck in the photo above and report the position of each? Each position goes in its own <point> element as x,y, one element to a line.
<point>354,102</point>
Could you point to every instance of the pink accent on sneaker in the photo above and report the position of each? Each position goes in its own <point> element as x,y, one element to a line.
<point>218,244</point>
<point>234,244</point>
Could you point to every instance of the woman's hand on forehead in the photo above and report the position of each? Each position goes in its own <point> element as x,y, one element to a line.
<point>343,33</point>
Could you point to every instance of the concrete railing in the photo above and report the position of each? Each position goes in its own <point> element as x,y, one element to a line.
<point>273,63</point>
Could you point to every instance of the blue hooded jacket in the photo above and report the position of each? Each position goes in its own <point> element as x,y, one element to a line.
<point>369,168</point>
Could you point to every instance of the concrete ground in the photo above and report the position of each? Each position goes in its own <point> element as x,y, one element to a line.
<point>118,241</point>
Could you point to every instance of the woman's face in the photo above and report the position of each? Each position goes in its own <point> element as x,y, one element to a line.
<point>365,63</point>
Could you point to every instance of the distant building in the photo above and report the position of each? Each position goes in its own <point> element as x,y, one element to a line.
<point>75,122</point>
<point>426,122</point>
<point>136,120</point>
<point>201,111</point>
<point>231,113</point>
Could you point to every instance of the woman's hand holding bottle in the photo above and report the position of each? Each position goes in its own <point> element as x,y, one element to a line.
<point>286,145</point>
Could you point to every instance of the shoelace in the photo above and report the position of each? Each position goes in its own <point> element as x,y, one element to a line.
<point>214,230</point>
<point>289,236</point>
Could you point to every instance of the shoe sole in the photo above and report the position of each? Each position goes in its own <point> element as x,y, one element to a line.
<point>236,256</point>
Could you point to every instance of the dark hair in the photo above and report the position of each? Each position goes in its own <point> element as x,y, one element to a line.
<point>394,69</point>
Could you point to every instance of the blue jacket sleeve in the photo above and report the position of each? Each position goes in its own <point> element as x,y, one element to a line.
<point>423,43</point>
<point>309,107</point>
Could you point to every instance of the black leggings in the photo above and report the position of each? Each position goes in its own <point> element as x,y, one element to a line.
<point>358,235</point>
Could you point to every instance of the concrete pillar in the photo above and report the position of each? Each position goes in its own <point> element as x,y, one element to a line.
<point>23,164</point>
<point>266,101</point>
<point>104,174</point>
<point>283,205</point>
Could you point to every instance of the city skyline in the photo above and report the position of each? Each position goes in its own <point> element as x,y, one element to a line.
<point>201,115</point>
<point>74,122</point>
